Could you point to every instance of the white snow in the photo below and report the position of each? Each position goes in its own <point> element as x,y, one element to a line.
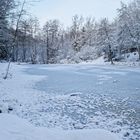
<point>98,61</point>
<point>71,97</point>
<point>129,59</point>
<point>14,128</point>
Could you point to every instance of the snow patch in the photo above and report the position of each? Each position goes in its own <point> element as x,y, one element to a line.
<point>13,128</point>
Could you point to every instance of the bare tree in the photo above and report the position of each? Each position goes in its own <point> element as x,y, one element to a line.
<point>15,39</point>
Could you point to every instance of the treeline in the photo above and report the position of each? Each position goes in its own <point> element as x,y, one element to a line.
<point>22,39</point>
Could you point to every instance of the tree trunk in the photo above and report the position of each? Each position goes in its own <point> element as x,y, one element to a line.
<point>12,54</point>
<point>110,56</point>
<point>7,70</point>
<point>47,49</point>
<point>139,51</point>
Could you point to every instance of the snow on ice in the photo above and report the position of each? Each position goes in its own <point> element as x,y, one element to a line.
<point>69,97</point>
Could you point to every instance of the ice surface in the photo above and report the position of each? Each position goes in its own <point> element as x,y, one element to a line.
<point>70,97</point>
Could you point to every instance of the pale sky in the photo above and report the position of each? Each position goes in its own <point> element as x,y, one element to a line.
<point>64,10</point>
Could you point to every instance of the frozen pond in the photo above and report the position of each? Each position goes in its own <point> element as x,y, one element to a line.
<point>72,78</point>
<point>88,96</point>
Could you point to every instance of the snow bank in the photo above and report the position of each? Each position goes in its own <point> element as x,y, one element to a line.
<point>98,61</point>
<point>129,59</point>
<point>14,128</point>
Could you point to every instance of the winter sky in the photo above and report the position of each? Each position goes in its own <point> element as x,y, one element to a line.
<point>64,10</point>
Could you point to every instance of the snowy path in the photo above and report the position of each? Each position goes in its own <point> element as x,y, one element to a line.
<point>78,97</point>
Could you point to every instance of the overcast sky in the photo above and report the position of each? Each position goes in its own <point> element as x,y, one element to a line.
<point>64,10</point>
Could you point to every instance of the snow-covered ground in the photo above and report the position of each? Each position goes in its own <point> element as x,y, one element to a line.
<point>13,128</point>
<point>70,97</point>
<point>128,59</point>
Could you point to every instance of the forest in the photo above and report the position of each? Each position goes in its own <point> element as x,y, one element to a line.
<point>69,82</point>
<point>22,39</point>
